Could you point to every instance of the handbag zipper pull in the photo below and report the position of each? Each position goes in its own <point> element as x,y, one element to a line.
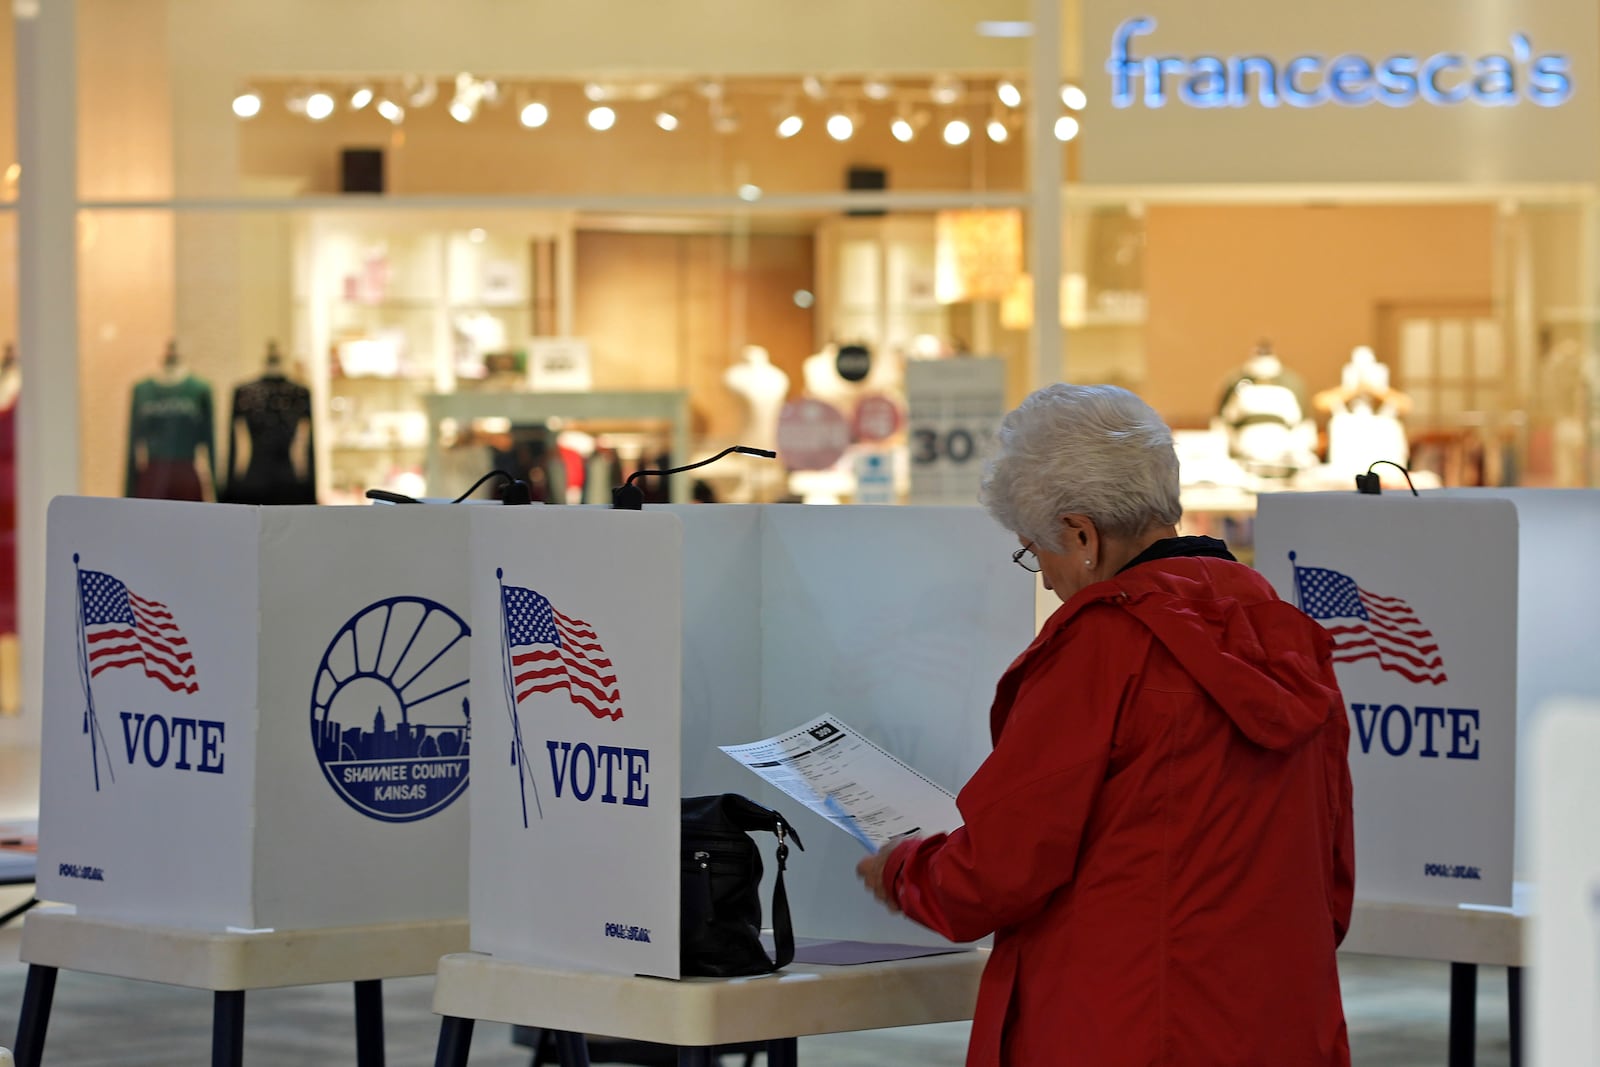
<point>701,858</point>
<point>783,847</point>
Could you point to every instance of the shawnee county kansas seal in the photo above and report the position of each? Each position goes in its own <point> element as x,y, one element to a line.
<point>389,712</point>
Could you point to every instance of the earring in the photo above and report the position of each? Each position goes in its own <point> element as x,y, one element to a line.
<point>1088,563</point>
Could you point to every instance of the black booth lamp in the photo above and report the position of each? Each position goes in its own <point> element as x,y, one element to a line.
<point>629,497</point>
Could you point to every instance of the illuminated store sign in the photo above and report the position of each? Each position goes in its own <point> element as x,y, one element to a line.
<point>1443,78</point>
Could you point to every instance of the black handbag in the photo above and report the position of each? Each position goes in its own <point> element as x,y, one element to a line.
<point>720,910</point>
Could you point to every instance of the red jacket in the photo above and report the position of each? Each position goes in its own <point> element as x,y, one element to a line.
<point>1161,839</point>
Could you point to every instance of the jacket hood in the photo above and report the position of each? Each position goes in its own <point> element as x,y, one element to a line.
<point>1263,661</point>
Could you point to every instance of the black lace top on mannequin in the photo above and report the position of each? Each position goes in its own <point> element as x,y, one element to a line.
<point>275,413</point>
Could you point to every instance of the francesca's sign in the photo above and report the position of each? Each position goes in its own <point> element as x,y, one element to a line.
<point>1364,91</point>
<point>1515,74</point>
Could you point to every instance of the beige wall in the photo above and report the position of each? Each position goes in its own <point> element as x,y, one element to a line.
<point>665,311</point>
<point>560,37</point>
<point>1220,278</point>
<point>125,259</point>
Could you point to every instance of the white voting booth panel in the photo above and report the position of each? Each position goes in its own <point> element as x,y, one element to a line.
<point>1564,939</point>
<point>1454,615</point>
<point>898,620</point>
<point>255,717</point>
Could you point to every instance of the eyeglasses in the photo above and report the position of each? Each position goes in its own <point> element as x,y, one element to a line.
<point>1026,558</point>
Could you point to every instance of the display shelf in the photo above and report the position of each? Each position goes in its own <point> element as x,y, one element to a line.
<point>408,278</point>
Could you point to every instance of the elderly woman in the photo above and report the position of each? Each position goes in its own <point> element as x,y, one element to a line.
<point>1161,839</point>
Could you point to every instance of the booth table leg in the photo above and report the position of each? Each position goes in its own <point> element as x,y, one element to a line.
<point>455,1041</point>
<point>783,1052</point>
<point>369,1023</point>
<point>36,997</point>
<point>696,1057</point>
<point>227,1028</point>
<point>572,1050</point>
<point>1514,1009</point>
<point>1463,1014</point>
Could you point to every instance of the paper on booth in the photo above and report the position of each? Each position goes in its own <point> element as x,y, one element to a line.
<point>851,782</point>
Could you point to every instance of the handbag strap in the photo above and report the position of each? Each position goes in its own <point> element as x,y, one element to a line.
<point>782,927</point>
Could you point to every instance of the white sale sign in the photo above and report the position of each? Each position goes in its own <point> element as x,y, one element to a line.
<point>1420,599</point>
<point>576,743</point>
<point>955,408</point>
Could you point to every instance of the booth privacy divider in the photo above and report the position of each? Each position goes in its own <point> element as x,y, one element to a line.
<point>632,644</point>
<point>1455,615</point>
<point>255,717</point>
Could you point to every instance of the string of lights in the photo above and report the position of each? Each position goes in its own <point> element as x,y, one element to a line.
<point>956,109</point>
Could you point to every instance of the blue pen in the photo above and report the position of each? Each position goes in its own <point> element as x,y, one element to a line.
<point>847,821</point>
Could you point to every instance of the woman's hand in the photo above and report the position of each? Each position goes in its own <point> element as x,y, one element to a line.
<point>870,871</point>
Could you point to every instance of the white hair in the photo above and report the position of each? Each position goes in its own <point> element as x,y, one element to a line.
<point>1095,450</point>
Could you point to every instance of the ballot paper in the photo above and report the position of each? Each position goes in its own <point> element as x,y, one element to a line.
<point>851,782</point>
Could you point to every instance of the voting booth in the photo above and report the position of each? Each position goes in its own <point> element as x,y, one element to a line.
<point>255,717</point>
<point>625,647</point>
<point>1454,617</point>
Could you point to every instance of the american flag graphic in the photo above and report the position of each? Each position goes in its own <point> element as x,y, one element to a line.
<point>1365,625</point>
<point>550,651</point>
<point>123,629</point>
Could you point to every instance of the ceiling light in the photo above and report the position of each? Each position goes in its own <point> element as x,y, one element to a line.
<point>841,127</point>
<point>1009,94</point>
<point>602,118</point>
<point>360,98</point>
<point>997,131</point>
<point>812,86</point>
<point>319,105</point>
<point>791,125</point>
<point>534,114</point>
<point>945,90</point>
<point>666,120</point>
<point>724,120</point>
<point>902,129</point>
<point>749,192</point>
<point>247,105</point>
<point>1074,97</point>
<point>462,111</point>
<point>956,131</point>
<point>876,89</point>
<point>1066,128</point>
<point>1005,28</point>
<point>420,91</point>
<point>391,111</point>
<point>594,91</point>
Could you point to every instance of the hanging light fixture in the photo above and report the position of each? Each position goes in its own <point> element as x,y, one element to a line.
<point>391,111</point>
<point>790,125</point>
<point>812,86</point>
<point>1074,97</point>
<point>1067,128</point>
<point>666,120</point>
<point>902,130</point>
<point>840,126</point>
<point>247,105</point>
<point>533,114</point>
<point>361,98</point>
<point>946,90</point>
<point>956,132</point>
<point>876,89</point>
<point>1009,94</point>
<point>997,131</point>
<point>602,118</point>
<point>319,105</point>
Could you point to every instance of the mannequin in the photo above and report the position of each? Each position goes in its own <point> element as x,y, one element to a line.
<point>169,423</point>
<point>1364,416</point>
<point>271,417</point>
<point>764,388</point>
<point>1263,412</point>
